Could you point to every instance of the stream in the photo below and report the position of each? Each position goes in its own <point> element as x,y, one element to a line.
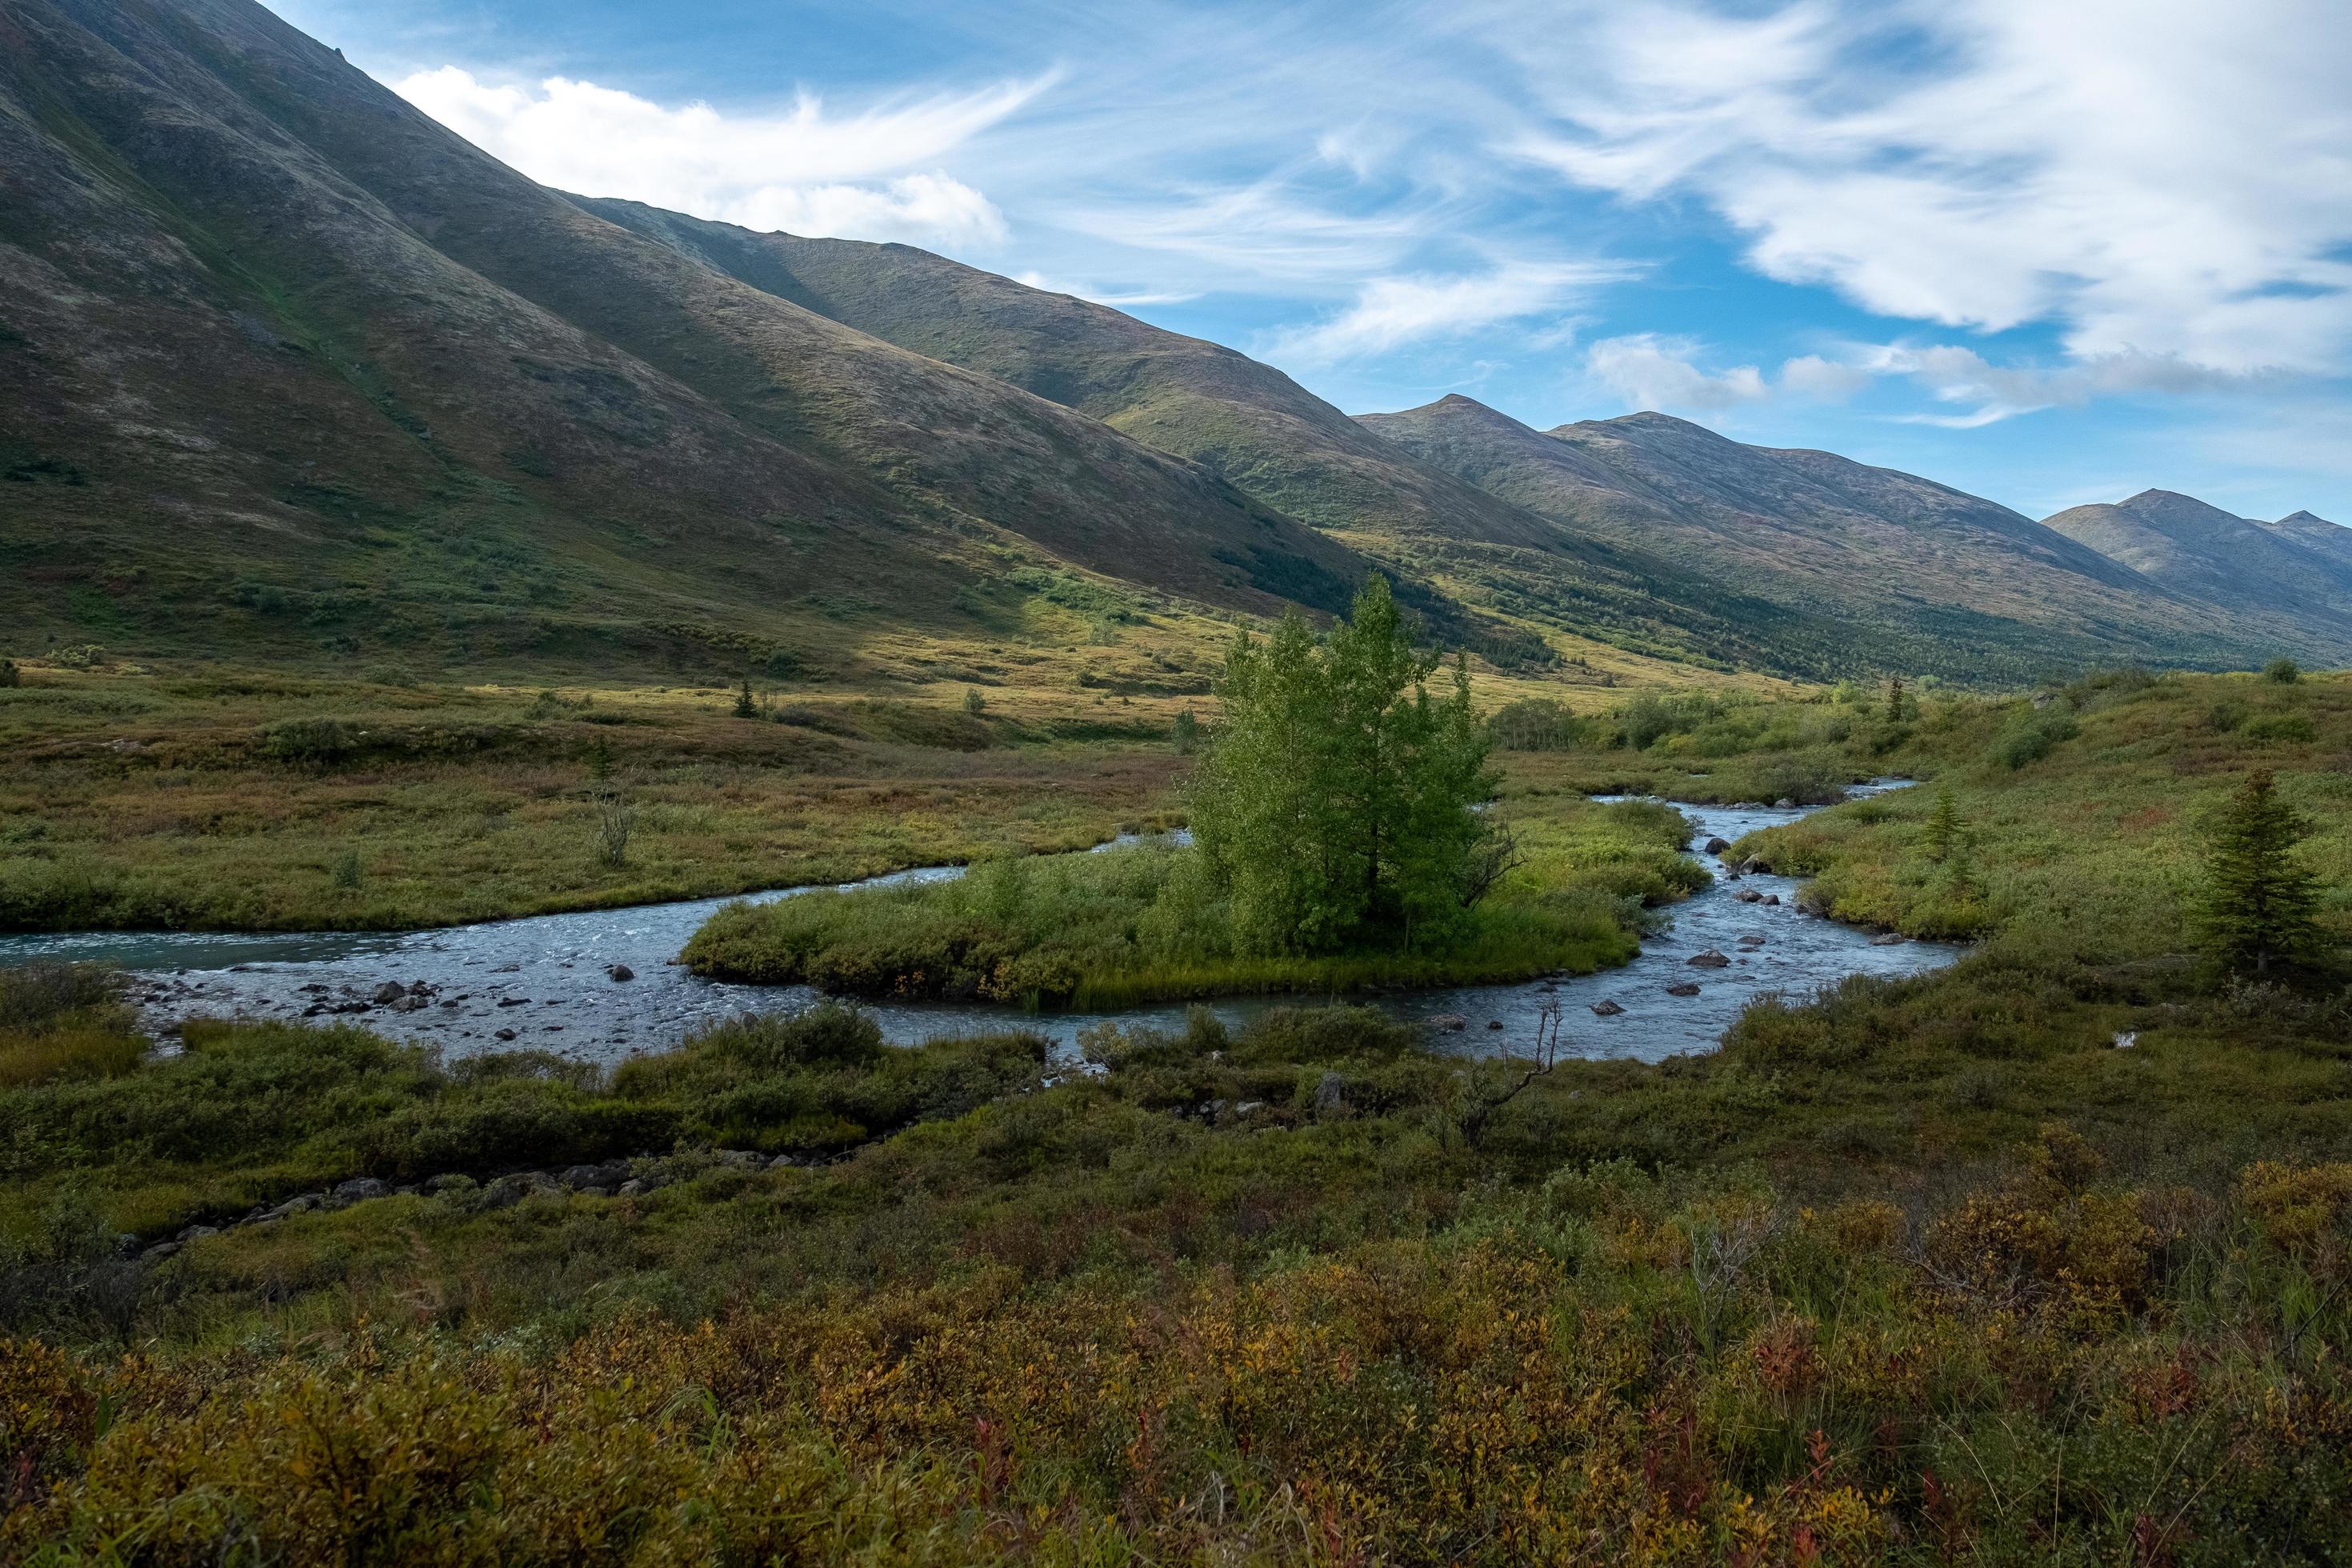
<point>545,981</point>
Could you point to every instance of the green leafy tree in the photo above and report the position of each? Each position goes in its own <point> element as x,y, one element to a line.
<point>1187,731</point>
<point>1334,803</point>
<point>2258,903</point>
<point>974,703</point>
<point>2282,673</point>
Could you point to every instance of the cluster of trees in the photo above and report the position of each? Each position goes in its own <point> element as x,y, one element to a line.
<point>1337,804</point>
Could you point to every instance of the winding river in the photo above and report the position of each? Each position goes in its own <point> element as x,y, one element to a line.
<point>547,980</point>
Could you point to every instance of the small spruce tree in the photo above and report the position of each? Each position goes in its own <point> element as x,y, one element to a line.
<point>974,703</point>
<point>1187,731</point>
<point>1944,826</point>
<point>2257,906</point>
<point>746,706</point>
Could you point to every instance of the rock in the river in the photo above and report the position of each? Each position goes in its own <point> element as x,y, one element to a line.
<point>1784,803</point>
<point>514,1001</point>
<point>1773,900</point>
<point>419,988</point>
<point>1717,846</point>
<point>1889,939</point>
<point>1710,959</point>
<point>621,972</point>
<point>1494,1023</point>
<point>1750,865</point>
<point>1749,895</point>
<point>388,993</point>
<point>1448,1023</point>
<point>504,1035</point>
<point>1607,1009</point>
<point>1682,988</point>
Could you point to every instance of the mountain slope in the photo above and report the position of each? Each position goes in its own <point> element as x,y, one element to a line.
<point>277,350</point>
<point>1939,580</point>
<point>1256,427</point>
<point>2287,569</point>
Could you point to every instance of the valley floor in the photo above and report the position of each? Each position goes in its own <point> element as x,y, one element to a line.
<point>2046,1257</point>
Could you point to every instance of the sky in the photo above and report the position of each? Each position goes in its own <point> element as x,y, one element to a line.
<point>2049,253</point>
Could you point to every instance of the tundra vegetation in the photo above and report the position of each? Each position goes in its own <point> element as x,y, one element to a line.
<point>2046,1256</point>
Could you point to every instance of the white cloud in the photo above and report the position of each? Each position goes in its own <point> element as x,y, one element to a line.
<point>1649,370</point>
<point>856,177</point>
<point>1389,313</point>
<point>1953,374</point>
<point>2169,179</point>
<point>1118,298</point>
<point>1829,381</point>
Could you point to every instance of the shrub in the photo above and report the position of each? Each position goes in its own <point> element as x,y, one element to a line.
<point>2032,736</point>
<point>2282,673</point>
<point>828,1034</point>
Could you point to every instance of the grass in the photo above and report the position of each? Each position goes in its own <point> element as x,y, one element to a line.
<point>1912,1271</point>
<point>290,804</point>
<point>2091,844</point>
<point>1139,924</point>
<point>1843,1292</point>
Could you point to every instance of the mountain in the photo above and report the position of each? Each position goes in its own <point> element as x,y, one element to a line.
<point>1255,427</point>
<point>2295,567</point>
<point>2332,542</point>
<point>1925,576</point>
<point>282,358</point>
<point>288,369</point>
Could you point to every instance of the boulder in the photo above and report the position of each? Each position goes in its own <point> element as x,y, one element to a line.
<point>1494,1023</point>
<point>1607,1009</point>
<point>448,1182</point>
<point>621,972</point>
<point>388,993</point>
<point>1773,900</point>
<point>1710,959</point>
<point>1889,939</point>
<point>196,1233</point>
<point>1749,895</point>
<point>1784,803</point>
<point>514,1001</point>
<point>1682,988</point>
<point>1330,1094</point>
<point>1717,846</point>
<point>634,1188</point>
<point>418,988</point>
<point>742,1159</point>
<point>159,1251</point>
<point>302,1203</point>
<point>359,1189</point>
<point>1448,1023</point>
<point>504,1035</point>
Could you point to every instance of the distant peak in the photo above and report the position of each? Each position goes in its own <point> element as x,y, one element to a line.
<point>1454,406</point>
<point>2305,520</point>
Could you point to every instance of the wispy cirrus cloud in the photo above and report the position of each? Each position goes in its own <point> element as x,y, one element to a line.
<point>1390,312</point>
<point>2160,178</point>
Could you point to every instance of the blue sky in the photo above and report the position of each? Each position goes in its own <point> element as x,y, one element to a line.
<point>2048,253</point>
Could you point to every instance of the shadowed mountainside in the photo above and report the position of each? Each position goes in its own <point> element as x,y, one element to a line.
<point>286,363</point>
